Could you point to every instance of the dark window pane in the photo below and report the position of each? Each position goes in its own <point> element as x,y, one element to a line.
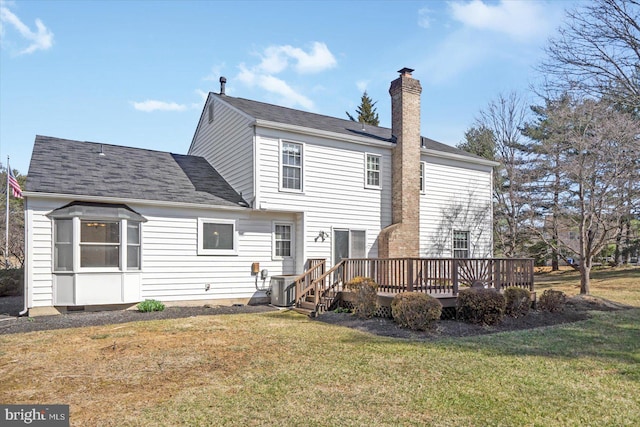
<point>99,256</point>
<point>217,236</point>
<point>133,257</point>
<point>99,232</point>
<point>133,232</point>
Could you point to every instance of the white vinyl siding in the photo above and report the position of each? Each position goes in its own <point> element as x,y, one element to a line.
<point>226,142</point>
<point>457,196</point>
<point>171,269</point>
<point>333,197</point>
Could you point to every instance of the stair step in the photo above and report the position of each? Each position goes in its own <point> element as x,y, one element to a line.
<point>310,313</point>
<point>307,305</point>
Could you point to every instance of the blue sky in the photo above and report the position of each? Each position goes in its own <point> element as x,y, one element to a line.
<point>136,72</point>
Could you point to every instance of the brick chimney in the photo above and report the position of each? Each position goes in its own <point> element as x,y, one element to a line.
<point>402,237</point>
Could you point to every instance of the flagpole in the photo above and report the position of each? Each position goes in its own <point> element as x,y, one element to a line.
<point>6,229</point>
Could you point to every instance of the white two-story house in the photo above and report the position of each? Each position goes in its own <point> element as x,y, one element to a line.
<point>262,190</point>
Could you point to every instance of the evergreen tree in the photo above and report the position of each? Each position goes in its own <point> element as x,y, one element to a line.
<point>366,111</point>
<point>481,141</point>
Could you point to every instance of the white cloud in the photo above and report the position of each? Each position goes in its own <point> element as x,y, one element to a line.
<point>275,59</point>
<point>288,96</point>
<point>278,59</point>
<point>151,105</point>
<point>216,72</point>
<point>362,85</point>
<point>519,19</point>
<point>41,39</point>
<point>424,17</point>
<point>202,94</point>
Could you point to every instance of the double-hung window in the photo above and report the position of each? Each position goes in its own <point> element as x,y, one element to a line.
<point>422,181</point>
<point>291,166</point>
<point>372,170</point>
<point>460,244</point>
<point>63,245</point>
<point>133,245</point>
<point>283,240</point>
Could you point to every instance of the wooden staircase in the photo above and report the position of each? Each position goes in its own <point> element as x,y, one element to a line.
<point>318,290</point>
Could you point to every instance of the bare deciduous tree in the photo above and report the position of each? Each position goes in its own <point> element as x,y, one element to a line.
<point>504,117</point>
<point>598,148</point>
<point>597,52</point>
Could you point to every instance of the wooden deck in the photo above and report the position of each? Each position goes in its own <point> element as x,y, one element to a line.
<point>319,289</point>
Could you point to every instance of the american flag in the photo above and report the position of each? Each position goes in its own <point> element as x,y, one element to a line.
<point>13,184</point>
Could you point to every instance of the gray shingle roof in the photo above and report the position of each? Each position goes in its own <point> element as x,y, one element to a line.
<point>278,114</point>
<point>65,166</point>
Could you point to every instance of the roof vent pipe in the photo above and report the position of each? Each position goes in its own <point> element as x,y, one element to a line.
<point>223,81</point>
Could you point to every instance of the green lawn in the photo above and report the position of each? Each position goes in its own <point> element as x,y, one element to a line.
<point>285,369</point>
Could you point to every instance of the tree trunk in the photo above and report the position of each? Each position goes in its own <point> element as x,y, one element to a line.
<point>585,279</point>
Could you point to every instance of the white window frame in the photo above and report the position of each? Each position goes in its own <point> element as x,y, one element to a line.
<point>274,254</point>
<point>203,251</point>
<point>121,250</point>
<point>423,181</point>
<point>453,244</point>
<point>77,245</point>
<point>283,166</point>
<point>367,170</point>
<point>137,245</point>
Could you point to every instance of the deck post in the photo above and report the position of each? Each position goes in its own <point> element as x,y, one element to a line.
<point>454,274</point>
<point>409,269</point>
<point>496,274</point>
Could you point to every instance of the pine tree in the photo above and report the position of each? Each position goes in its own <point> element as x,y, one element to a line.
<point>366,111</point>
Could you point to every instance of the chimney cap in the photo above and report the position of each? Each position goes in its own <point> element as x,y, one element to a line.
<point>406,71</point>
<point>223,80</point>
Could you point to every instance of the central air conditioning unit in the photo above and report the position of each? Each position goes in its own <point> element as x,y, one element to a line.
<point>283,290</point>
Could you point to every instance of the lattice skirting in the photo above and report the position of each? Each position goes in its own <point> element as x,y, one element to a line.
<point>385,312</point>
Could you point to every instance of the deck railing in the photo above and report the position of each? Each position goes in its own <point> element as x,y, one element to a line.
<point>446,276</point>
<point>441,275</point>
<point>304,283</point>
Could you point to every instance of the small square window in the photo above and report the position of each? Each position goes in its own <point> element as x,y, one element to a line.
<point>216,237</point>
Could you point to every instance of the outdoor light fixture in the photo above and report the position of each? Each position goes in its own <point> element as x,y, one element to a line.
<point>322,235</point>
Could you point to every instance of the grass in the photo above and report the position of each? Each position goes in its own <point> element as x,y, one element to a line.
<point>285,369</point>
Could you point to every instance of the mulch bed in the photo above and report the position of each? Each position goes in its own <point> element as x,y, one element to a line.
<point>577,308</point>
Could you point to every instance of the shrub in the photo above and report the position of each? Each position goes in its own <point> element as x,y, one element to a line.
<point>366,293</point>
<point>518,301</point>
<point>415,310</point>
<point>552,300</point>
<point>150,305</point>
<point>481,306</point>
<point>11,282</point>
